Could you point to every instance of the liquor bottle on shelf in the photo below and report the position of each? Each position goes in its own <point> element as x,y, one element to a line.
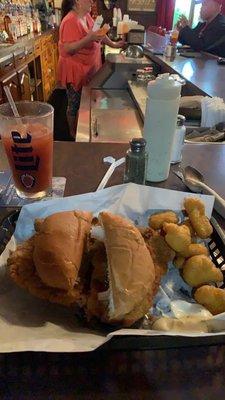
<point>17,18</point>
<point>2,25</point>
<point>8,27</point>
<point>35,22</point>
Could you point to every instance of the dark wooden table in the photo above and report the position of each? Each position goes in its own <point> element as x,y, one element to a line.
<point>185,373</point>
<point>82,165</point>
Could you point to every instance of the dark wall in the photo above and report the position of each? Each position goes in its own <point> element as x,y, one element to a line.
<point>144,18</point>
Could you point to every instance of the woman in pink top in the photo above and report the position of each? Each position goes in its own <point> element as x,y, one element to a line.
<point>79,53</point>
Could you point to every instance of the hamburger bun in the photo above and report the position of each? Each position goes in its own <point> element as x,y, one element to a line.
<point>113,279</point>
<point>59,246</point>
<point>131,272</point>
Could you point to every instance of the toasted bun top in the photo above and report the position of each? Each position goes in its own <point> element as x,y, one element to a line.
<point>130,266</point>
<point>58,247</point>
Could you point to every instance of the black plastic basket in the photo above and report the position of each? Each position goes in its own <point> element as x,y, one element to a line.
<point>216,247</point>
<point>7,228</point>
<point>217,252</point>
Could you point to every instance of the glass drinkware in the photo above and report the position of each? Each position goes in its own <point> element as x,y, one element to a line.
<point>28,143</point>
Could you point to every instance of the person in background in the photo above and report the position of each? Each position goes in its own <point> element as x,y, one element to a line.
<point>79,53</point>
<point>208,35</point>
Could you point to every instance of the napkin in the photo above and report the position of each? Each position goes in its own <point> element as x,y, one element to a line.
<point>191,102</point>
<point>205,135</point>
<point>213,111</point>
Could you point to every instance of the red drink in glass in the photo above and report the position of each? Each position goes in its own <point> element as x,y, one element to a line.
<point>29,148</point>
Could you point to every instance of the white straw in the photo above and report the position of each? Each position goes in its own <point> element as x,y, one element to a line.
<point>109,173</point>
<point>11,102</point>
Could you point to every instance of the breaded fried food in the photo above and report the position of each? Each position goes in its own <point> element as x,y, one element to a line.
<point>196,211</point>
<point>38,224</point>
<point>179,261</point>
<point>58,248</point>
<point>22,271</point>
<point>130,266</point>
<point>195,249</point>
<point>201,224</point>
<point>98,283</point>
<point>138,312</point>
<point>194,203</point>
<point>156,221</point>
<point>212,298</point>
<point>200,270</point>
<point>161,253</point>
<point>147,232</point>
<point>187,223</point>
<point>177,236</point>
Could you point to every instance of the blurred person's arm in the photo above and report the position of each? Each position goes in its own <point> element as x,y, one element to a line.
<point>188,36</point>
<point>114,45</point>
<point>73,47</point>
<point>182,22</point>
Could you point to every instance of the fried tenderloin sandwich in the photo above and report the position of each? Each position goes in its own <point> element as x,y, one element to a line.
<point>107,269</point>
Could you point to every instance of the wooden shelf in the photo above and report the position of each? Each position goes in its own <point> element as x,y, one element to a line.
<point>35,79</point>
<point>34,85</point>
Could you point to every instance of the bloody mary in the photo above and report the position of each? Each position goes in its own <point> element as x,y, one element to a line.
<point>29,148</point>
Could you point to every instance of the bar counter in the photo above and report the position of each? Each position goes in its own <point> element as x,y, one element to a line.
<point>202,73</point>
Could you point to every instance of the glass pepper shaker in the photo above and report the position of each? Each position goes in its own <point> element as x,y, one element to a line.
<point>136,161</point>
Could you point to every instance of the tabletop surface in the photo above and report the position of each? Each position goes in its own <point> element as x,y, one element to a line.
<point>82,164</point>
<point>186,373</point>
<point>201,71</point>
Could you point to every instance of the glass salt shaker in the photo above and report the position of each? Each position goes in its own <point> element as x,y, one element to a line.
<point>136,161</point>
<point>178,140</point>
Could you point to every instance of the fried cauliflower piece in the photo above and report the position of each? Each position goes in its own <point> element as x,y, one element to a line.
<point>195,249</point>
<point>160,251</point>
<point>177,237</point>
<point>22,271</point>
<point>156,221</point>
<point>200,270</point>
<point>212,298</point>
<point>196,211</point>
<point>194,203</point>
<point>201,224</point>
<point>187,223</point>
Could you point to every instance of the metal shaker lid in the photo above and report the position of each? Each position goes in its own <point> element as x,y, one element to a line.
<point>180,120</point>
<point>137,144</point>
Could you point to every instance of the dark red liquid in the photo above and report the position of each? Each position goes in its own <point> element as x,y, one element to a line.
<point>37,175</point>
